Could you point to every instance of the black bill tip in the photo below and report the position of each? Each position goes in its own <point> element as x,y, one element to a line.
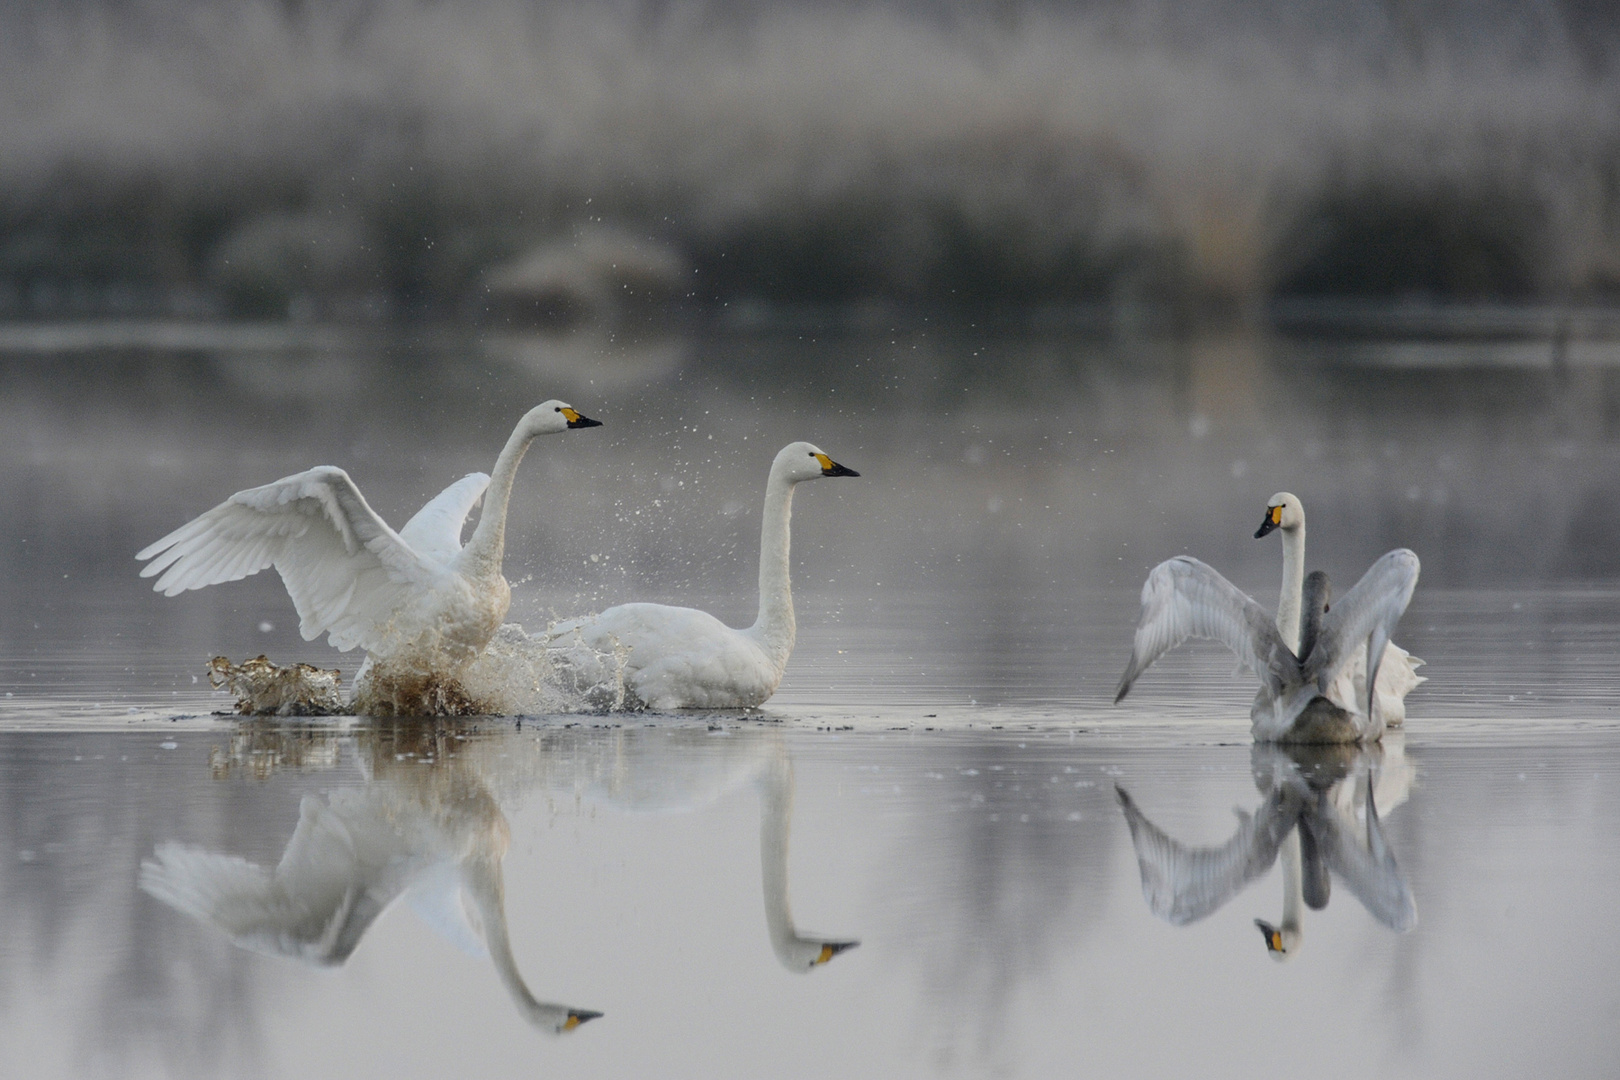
<point>839,470</point>
<point>579,422</point>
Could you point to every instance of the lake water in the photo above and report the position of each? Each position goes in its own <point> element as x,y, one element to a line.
<point>185,893</point>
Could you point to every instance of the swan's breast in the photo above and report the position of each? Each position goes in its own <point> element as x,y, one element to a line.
<point>683,658</point>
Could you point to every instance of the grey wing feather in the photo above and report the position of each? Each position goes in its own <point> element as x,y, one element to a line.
<point>1184,598</point>
<point>1183,884</point>
<point>1369,871</point>
<point>1367,613</point>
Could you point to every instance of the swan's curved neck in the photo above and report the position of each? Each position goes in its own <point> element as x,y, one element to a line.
<point>775,628</point>
<point>775,823</point>
<point>482,877</point>
<point>486,549</point>
<point>1293,882</point>
<point>1293,586</point>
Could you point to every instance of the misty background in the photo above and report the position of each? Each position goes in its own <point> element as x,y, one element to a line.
<point>1121,161</point>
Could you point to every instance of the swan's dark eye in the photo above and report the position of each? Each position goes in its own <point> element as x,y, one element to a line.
<point>812,453</point>
<point>557,409</point>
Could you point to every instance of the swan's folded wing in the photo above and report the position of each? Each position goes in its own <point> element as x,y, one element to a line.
<point>1183,884</point>
<point>1367,613</point>
<point>434,532</point>
<point>1184,598</point>
<point>347,571</point>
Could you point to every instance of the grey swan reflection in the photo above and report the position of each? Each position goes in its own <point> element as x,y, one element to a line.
<point>426,831</point>
<point>1320,816</point>
<point>1184,598</point>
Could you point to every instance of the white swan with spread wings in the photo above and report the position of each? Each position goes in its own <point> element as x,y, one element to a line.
<point>420,604</point>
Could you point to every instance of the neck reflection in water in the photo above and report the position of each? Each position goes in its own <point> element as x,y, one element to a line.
<point>427,827</point>
<point>1320,814</point>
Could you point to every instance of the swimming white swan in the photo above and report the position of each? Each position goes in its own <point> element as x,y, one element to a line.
<point>429,833</point>
<point>420,604</point>
<point>1303,820</point>
<point>1184,598</point>
<point>682,658</point>
<point>1397,673</point>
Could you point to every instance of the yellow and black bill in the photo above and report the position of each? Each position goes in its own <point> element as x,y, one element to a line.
<point>830,949</point>
<point>1273,520</point>
<point>575,420</point>
<point>1273,936</point>
<point>829,467</point>
<point>577,1017</point>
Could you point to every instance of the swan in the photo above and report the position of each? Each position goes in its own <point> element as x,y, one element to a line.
<point>795,950</point>
<point>420,604</point>
<point>1305,822</point>
<point>1184,598</point>
<point>429,834</point>
<point>682,658</point>
<point>1397,674</point>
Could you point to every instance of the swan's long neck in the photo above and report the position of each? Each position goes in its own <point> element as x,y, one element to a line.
<point>775,628</point>
<point>487,548</point>
<point>1293,883</point>
<point>482,877</point>
<point>1293,586</point>
<point>776,813</point>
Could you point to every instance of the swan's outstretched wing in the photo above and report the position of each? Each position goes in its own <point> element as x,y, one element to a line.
<point>348,573</point>
<point>434,532</point>
<point>1367,613</point>
<point>1183,884</point>
<point>1368,870</point>
<point>315,906</point>
<point>1184,598</point>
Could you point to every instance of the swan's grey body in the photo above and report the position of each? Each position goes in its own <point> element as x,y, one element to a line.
<point>1397,671</point>
<point>1184,598</point>
<point>420,604</point>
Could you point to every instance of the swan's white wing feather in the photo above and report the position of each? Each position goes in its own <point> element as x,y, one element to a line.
<point>1367,613</point>
<point>434,532</point>
<point>1184,598</point>
<point>348,573</point>
<point>1183,884</point>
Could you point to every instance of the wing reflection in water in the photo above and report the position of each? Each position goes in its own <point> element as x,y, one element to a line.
<point>425,828</point>
<point>1320,815</point>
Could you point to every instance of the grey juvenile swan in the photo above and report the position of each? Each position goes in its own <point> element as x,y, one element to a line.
<point>420,604</point>
<point>1184,598</point>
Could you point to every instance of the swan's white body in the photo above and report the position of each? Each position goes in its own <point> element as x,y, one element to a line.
<point>429,833</point>
<point>1397,673</point>
<point>682,658</point>
<point>1184,598</point>
<point>420,604</point>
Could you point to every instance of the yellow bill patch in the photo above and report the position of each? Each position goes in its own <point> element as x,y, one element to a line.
<point>570,415</point>
<point>826,954</point>
<point>826,462</point>
<point>573,1021</point>
<point>1276,515</point>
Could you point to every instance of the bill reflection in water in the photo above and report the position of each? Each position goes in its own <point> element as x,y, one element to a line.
<point>1320,815</point>
<point>427,828</point>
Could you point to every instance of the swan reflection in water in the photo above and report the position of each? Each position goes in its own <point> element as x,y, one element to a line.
<point>1320,815</point>
<point>427,828</point>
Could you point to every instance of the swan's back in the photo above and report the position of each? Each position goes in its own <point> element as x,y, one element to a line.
<point>679,657</point>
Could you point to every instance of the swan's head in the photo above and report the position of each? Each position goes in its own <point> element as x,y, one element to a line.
<point>1281,942</point>
<point>552,417</point>
<point>806,461</point>
<point>1284,512</point>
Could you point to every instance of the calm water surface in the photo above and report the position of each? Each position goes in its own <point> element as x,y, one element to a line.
<point>194,895</point>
